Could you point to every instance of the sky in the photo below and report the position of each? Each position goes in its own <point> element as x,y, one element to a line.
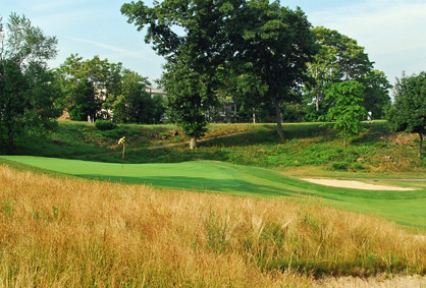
<point>391,31</point>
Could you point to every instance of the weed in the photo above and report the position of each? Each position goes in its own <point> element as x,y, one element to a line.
<point>217,233</point>
<point>7,207</point>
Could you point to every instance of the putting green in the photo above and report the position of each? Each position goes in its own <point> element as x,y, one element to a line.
<point>404,207</point>
<point>198,175</point>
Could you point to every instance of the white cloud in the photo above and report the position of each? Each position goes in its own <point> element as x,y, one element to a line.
<point>122,51</point>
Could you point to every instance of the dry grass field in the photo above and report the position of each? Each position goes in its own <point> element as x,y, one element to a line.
<point>66,232</point>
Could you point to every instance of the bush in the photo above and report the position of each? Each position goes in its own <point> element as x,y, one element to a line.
<point>339,166</point>
<point>357,166</point>
<point>105,125</point>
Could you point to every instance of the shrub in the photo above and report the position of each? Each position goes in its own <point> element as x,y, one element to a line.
<point>339,166</point>
<point>105,125</point>
<point>357,166</point>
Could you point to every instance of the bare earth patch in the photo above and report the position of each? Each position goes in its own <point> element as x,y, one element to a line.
<point>413,281</point>
<point>354,184</point>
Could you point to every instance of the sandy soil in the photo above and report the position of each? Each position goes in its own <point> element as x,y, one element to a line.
<point>349,282</point>
<point>354,184</point>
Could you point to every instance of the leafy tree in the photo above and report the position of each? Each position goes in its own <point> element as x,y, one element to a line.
<point>186,105</point>
<point>408,113</point>
<point>89,85</point>
<point>376,93</point>
<point>348,110</point>
<point>193,58</point>
<point>339,58</point>
<point>134,104</point>
<point>274,43</point>
<point>29,92</point>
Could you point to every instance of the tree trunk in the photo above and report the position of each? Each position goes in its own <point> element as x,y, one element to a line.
<point>316,90</point>
<point>317,103</point>
<point>254,117</point>
<point>10,140</point>
<point>193,142</point>
<point>420,144</point>
<point>279,119</point>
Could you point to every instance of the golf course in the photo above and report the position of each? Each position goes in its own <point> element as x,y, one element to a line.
<point>236,204</point>
<point>404,207</point>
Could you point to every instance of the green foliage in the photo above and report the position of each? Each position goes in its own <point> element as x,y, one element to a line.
<point>89,85</point>
<point>347,111</point>
<point>340,58</point>
<point>186,105</point>
<point>193,59</point>
<point>409,110</point>
<point>134,104</point>
<point>339,166</point>
<point>29,91</point>
<point>358,166</point>
<point>376,93</point>
<point>276,39</point>
<point>105,125</point>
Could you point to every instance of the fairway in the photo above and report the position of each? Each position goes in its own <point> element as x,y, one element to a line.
<point>405,207</point>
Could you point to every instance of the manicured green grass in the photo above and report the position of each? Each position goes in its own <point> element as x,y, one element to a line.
<point>404,207</point>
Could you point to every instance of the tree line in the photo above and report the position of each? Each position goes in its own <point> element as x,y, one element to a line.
<point>267,58</point>
<point>33,96</point>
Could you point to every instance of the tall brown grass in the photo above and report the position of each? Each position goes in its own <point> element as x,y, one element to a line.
<point>64,232</point>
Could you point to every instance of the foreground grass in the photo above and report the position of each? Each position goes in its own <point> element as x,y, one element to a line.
<point>405,207</point>
<point>73,232</point>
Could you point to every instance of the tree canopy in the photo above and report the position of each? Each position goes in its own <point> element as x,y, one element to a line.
<point>193,58</point>
<point>347,112</point>
<point>339,58</point>
<point>408,113</point>
<point>274,43</point>
<point>29,91</point>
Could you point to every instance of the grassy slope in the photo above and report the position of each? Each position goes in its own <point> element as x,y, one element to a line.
<point>308,150</point>
<point>403,207</point>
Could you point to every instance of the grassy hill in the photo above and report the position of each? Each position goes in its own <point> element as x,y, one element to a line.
<point>307,148</point>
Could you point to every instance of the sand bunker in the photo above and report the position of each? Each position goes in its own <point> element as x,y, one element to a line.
<point>354,184</point>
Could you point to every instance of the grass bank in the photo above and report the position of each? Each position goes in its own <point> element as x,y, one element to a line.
<point>78,233</point>
<point>308,148</point>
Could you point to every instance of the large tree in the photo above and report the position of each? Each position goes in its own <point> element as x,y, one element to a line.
<point>339,58</point>
<point>408,113</point>
<point>89,85</point>
<point>274,43</point>
<point>193,55</point>
<point>134,104</point>
<point>28,89</point>
<point>376,93</point>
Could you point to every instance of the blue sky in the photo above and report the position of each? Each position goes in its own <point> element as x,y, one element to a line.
<point>392,31</point>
